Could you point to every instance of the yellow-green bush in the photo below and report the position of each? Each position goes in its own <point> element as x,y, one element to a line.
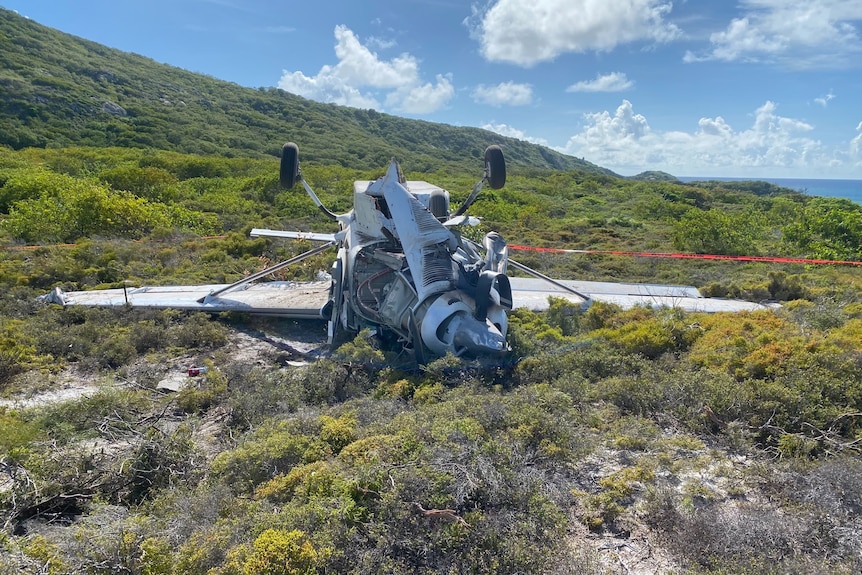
<point>278,552</point>
<point>272,449</point>
<point>338,432</point>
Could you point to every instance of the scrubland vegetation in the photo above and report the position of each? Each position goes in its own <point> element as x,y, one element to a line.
<point>638,441</point>
<point>614,441</point>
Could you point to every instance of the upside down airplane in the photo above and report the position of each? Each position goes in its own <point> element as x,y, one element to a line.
<point>405,271</point>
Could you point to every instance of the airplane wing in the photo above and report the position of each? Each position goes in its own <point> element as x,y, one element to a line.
<point>299,300</point>
<point>306,300</point>
<point>533,293</point>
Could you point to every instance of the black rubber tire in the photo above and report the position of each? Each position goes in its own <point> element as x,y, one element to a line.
<point>288,172</point>
<point>438,205</point>
<point>495,165</point>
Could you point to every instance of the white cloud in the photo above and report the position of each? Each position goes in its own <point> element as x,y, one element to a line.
<point>824,100</point>
<point>505,93</point>
<point>624,142</point>
<point>856,146</point>
<point>510,132</point>
<point>422,99</point>
<point>624,126</point>
<point>526,32</point>
<point>613,82</point>
<point>326,87</point>
<point>359,66</point>
<point>794,33</point>
<point>380,43</point>
<point>360,77</point>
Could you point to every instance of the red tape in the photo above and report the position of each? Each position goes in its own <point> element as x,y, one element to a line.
<point>765,259</point>
<point>690,256</point>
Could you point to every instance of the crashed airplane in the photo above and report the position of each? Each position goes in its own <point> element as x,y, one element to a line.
<point>404,271</point>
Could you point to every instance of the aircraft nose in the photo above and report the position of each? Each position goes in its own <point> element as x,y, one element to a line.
<point>480,338</point>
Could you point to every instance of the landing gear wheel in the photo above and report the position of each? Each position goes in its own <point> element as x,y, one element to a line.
<point>438,204</point>
<point>337,334</point>
<point>288,172</point>
<point>495,166</point>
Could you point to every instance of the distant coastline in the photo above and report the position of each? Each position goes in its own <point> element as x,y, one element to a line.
<point>849,189</point>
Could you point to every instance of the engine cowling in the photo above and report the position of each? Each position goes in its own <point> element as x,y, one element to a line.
<point>448,324</point>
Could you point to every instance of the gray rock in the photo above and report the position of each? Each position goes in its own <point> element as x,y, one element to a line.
<point>114,109</point>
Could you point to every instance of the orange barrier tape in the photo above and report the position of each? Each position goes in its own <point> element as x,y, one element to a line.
<point>765,259</point>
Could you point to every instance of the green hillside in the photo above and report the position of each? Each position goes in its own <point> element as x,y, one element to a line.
<point>60,90</point>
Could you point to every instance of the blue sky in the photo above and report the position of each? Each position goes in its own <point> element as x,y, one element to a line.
<point>754,88</point>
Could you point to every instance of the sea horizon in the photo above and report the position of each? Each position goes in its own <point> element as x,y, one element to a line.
<point>824,187</point>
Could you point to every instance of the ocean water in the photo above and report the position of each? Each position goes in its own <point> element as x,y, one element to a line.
<point>849,189</point>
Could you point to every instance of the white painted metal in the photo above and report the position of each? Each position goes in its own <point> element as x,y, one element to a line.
<point>533,294</point>
<point>283,299</point>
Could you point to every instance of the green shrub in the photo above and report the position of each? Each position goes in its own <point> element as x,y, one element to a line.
<point>198,331</point>
<point>272,449</point>
<point>717,231</point>
<point>47,555</point>
<point>88,209</point>
<point>360,351</point>
<point>15,433</point>
<point>277,552</point>
<point>63,421</point>
<point>147,335</point>
<point>650,338</point>
<point>203,392</point>
<point>339,432</point>
<point>148,182</point>
<point>156,557</point>
<point>257,393</point>
<point>530,333</point>
<point>17,350</point>
<point>602,509</point>
<point>115,351</point>
<point>326,382</point>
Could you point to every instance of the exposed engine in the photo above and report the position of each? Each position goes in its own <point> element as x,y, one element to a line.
<point>410,274</point>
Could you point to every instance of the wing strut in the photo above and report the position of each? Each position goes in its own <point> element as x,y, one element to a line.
<point>266,272</point>
<point>532,272</point>
<point>541,276</point>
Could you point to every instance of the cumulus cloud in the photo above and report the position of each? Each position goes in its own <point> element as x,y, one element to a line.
<point>505,93</point>
<point>358,66</point>
<point>624,141</point>
<point>424,99</point>
<point>603,128</point>
<point>510,132</point>
<point>326,87</point>
<point>794,33</point>
<point>360,77</point>
<point>526,32</point>
<point>613,82</point>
